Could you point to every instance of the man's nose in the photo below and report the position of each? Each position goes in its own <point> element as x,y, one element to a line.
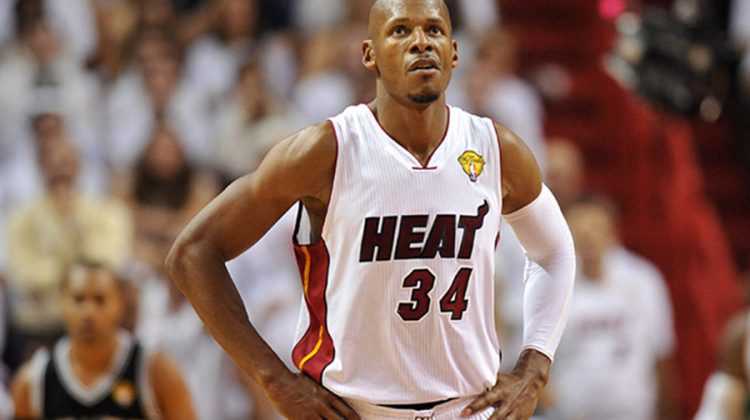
<point>421,42</point>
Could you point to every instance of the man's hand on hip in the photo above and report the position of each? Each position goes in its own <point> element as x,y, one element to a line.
<point>296,396</point>
<point>516,393</point>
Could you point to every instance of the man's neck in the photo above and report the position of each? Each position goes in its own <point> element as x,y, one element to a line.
<point>93,358</point>
<point>418,129</point>
<point>593,270</point>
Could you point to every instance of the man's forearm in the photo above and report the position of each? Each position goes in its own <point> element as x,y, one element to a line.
<point>200,274</point>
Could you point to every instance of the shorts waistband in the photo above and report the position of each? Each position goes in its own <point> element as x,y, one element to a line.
<point>417,407</point>
<point>369,410</point>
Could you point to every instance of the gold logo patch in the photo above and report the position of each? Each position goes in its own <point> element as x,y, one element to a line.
<point>124,393</point>
<point>472,163</point>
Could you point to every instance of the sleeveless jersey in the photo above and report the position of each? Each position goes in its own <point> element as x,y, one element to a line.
<point>124,392</point>
<point>399,291</point>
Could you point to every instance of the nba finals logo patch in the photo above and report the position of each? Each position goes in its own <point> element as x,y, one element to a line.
<point>124,393</point>
<point>472,163</point>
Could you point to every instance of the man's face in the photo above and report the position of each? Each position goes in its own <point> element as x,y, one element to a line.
<point>91,304</point>
<point>43,43</point>
<point>411,49</point>
<point>59,162</point>
<point>593,231</point>
<point>564,170</point>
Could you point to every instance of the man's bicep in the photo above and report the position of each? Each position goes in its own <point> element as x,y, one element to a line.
<point>298,167</point>
<point>521,177</point>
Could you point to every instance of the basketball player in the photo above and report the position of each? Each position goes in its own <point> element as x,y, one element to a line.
<point>725,394</point>
<point>97,369</point>
<point>400,205</point>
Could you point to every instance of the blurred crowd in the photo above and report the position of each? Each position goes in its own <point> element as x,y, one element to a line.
<point>120,119</point>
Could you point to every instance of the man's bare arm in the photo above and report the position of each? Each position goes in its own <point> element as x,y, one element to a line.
<point>170,391</point>
<point>522,180</point>
<point>20,392</point>
<point>299,168</point>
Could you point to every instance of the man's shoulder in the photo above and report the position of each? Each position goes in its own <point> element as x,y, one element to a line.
<point>623,260</point>
<point>313,140</point>
<point>32,371</point>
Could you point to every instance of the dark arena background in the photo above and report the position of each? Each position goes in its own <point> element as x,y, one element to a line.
<point>120,119</point>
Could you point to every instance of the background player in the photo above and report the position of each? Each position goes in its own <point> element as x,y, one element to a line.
<point>412,54</point>
<point>97,369</point>
<point>726,391</point>
<point>619,331</point>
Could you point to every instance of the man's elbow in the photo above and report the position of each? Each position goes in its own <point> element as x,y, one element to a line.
<point>181,257</point>
<point>175,260</point>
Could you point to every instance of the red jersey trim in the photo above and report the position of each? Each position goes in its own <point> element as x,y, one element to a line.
<point>315,350</point>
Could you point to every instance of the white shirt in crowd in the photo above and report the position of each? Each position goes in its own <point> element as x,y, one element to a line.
<point>73,19</point>
<point>208,372</point>
<point>618,328</point>
<point>212,66</point>
<point>131,120</point>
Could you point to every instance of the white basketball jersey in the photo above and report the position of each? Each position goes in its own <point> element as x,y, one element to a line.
<point>399,292</point>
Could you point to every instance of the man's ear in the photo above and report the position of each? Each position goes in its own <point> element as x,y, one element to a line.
<point>368,55</point>
<point>454,61</point>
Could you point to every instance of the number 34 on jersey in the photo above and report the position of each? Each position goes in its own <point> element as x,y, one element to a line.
<point>414,242</point>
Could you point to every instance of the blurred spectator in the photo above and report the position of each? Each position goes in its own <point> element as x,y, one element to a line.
<point>73,20</point>
<point>116,23</point>
<point>739,31</point>
<point>156,13</point>
<point>323,89</point>
<point>312,16</point>
<point>155,91</point>
<point>6,407</point>
<point>167,322</point>
<point>725,395</point>
<point>564,170</point>
<point>362,80</point>
<point>250,124</point>
<point>276,14</point>
<point>164,192</point>
<point>563,174</point>
<point>476,16</point>
<point>6,404</point>
<point>22,176</point>
<point>280,63</point>
<point>120,21</point>
<point>38,74</point>
<point>98,370</point>
<point>613,361</point>
<point>493,90</point>
<point>213,61</point>
<point>45,238</point>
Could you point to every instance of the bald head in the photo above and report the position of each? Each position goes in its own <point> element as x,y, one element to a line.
<point>411,50</point>
<point>382,10</point>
